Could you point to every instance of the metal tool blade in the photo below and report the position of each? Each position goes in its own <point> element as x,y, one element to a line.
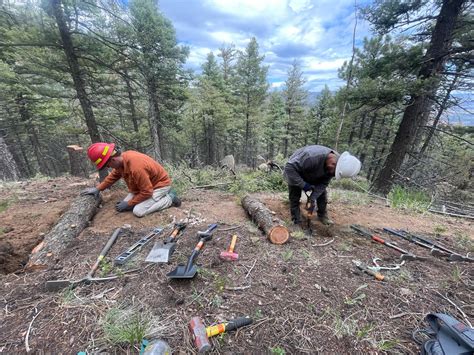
<point>161,252</point>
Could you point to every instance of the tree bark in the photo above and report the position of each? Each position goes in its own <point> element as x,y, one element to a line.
<point>76,160</point>
<point>69,226</point>
<point>8,167</point>
<point>415,113</point>
<point>155,120</point>
<point>272,226</point>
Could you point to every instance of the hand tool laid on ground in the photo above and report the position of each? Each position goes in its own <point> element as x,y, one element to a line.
<point>201,333</point>
<point>56,285</point>
<point>229,254</point>
<point>436,248</point>
<point>360,265</point>
<point>126,255</point>
<point>189,270</point>
<point>162,251</point>
<point>405,254</point>
<point>378,267</point>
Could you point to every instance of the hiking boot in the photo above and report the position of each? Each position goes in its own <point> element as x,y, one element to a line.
<point>325,220</point>
<point>175,200</point>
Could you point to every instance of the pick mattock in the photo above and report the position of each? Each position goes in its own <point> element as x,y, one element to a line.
<point>56,285</point>
<point>229,254</point>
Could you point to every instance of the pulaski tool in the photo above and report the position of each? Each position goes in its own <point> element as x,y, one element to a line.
<point>201,333</point>
<point>189,270</point>
<point>161,252</point>
<point>56,285</point>
<point>406,255</point>
<point>229,254</point>
<point>126,255</point>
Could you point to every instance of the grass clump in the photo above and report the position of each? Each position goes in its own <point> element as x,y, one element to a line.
<point>357,184</point>
<point>409,199</point>
<point>125,326</point>
<point>277,351</point>
<point>255,181</point>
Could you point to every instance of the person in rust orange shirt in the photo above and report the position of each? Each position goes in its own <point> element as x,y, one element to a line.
<point>148,183</point>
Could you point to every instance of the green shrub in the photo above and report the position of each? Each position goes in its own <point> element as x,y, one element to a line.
<point>256,181</point>
<point>409,199</point>
<point>125,326</point>
<point>358,184</point>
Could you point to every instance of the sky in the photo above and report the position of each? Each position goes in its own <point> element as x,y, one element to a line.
<point>317,33</point>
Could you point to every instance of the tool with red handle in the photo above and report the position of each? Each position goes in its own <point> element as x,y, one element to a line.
<point>229,254</point>
<point>406,255</point>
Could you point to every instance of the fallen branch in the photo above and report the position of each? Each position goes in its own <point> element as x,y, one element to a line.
<point>211,185</point>
<point>451,214</point>
<point>457,307</point>
<point>237,288</point>
<point>324,244</point>
<point>229,229</point>
<point>248,273</point>
<point>403,314</point>
<point>27,345</point>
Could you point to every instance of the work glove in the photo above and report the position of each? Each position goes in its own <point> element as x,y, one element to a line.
<point>308,187</point>
<point>122,206</point>
<point>93,191</point>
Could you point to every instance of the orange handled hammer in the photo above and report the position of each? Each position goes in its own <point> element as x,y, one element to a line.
<point>201,333</point>
<point>229,254</point>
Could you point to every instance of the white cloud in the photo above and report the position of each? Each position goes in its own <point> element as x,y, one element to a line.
<point>277,84</point>
<point>300,5</point>
<point>315,64</point>
<point>251,8</point>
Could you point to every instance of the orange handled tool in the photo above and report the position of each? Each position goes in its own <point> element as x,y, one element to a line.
<point>229,255</point>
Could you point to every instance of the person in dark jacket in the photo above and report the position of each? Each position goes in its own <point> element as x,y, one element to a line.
<point>310,169</point>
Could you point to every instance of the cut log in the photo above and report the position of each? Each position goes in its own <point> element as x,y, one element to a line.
<point>69,226</point>
<point>272,226</point>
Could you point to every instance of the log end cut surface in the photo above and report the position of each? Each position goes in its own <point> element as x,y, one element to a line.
<point>278,235</point>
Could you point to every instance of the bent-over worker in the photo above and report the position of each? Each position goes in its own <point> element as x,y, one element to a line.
<point>148,183</point>
<point>311,168</point>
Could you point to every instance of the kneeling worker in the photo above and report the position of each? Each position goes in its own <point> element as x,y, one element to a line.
<point>311,168</point>
<point>148,182</point>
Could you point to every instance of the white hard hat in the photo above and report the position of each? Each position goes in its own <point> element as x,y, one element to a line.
<point>347,166</point>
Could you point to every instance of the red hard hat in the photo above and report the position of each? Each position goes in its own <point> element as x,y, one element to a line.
<point>99,153</point>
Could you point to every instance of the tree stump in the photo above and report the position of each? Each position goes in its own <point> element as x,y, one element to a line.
<point>272,226</point>
<point>76,160</point>
<point>69,226</point>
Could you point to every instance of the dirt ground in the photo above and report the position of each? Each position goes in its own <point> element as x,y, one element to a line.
<point>305,296</point>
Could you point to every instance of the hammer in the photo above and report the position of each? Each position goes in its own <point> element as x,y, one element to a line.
<point>201,334</point>
<point>229,255</point>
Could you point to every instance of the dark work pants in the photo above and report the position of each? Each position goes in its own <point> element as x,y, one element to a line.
<point>295,195</point>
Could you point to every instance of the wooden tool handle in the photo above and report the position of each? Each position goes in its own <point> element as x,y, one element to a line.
<point>232,243</point>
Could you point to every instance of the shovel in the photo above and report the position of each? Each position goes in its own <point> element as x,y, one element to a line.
<point>161,252</point>
<point>189,270</point>
<point>56,285</point>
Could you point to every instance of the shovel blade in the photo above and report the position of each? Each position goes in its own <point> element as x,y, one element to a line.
<point>181,273</point>
<point>56,285</point>
<point>161,253</point>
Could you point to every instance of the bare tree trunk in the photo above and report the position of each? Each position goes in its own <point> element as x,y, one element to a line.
<point>442,107</point>
<point>76,160</point>
<point>8,167</point>
<point>155,120</point>
<point>133,110</point>
<point>414,114</point>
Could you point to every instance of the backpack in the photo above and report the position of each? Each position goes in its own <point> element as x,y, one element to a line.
<point>447,336</point>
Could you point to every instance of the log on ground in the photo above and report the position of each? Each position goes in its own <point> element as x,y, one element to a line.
<point>272,226</point>
<point>69,226</point>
